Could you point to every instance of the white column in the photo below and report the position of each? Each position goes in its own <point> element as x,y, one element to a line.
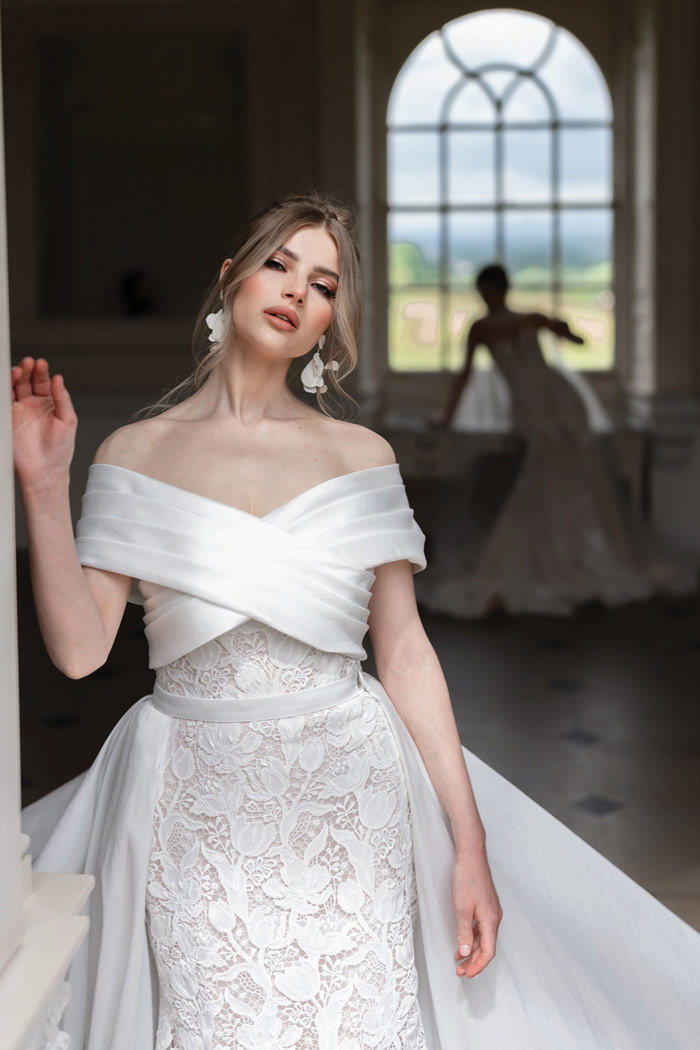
<point>663,379</point>
<point>640,379</point>
<point>40,929</point>
<point>12,847</point>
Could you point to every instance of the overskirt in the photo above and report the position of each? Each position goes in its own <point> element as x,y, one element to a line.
<point>586,959</point>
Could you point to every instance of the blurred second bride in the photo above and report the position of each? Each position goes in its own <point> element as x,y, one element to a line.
<point>560,538</point>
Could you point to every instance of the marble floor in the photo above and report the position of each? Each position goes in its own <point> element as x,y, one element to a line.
<point>596,717</point>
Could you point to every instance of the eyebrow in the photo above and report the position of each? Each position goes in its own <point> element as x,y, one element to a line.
<point>319,269</point>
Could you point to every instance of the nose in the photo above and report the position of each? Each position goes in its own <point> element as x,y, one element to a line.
<point>294,291</point>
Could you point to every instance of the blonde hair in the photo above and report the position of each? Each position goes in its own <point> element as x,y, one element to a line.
<point>259,239</point>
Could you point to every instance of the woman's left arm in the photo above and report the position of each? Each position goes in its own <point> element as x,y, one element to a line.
<point>410,672</point>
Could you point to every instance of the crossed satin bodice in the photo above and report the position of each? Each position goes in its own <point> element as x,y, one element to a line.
<point>203,567</point>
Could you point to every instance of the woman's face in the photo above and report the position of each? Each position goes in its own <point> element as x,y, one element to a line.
<point>285,307</point>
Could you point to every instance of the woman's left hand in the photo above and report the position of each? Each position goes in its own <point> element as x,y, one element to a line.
<point>478,911</point>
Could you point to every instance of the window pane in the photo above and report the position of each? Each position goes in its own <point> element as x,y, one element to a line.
<point>413,167</point>
<point>470,167</point>
<point>469,75</point>
<point>414,248</point>
<point>471,244</point>
<point>422,84</point>
<point>498,36</point>
<point>471,105</point>
<point>528,238</point>
<point>527,104</point>
<point>590,313</point>
<point>586,240</point>
<point>532,300</point>
<point>464,306</point>
<point>575,80</point>
<point>586,165</point>
<point>527,161</point>
<point>413,329</point>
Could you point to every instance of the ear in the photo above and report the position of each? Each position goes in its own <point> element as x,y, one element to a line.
<point>224,267</point>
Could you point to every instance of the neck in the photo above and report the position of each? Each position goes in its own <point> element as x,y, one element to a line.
<point>247,387</point>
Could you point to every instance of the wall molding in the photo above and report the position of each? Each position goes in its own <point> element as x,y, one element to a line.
<point>672,421</point>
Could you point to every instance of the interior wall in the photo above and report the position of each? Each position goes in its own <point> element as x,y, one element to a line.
<point>676,199</point>
<point>299,130</point>
<point>289,127</point>
<point>317,82</point>
<point>665,395</point>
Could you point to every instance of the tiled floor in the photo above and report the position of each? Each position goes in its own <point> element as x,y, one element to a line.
<point>597,718</point>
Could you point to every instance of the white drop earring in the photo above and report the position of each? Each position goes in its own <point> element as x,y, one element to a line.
<point>312,373</point>
<point>215,322</point>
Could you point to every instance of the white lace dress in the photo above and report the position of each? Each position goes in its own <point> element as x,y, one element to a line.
<point>263,832</point>
<point>560,538</point>
<point>281,890</point>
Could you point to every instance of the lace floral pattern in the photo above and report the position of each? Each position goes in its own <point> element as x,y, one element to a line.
<point>252,660</point>
<point>281,891</point>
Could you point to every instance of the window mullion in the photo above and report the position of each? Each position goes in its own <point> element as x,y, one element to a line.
<point>454,227</point>
<point>556,216</point>
<point>499,152</point>
<point>443,299</point>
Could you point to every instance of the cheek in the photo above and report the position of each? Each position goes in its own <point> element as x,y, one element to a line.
<point>249,298</point>
<point>253,288</point>
<point>323,313</point>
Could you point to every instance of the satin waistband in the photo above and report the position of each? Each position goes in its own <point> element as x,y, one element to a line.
<point>256,708</point>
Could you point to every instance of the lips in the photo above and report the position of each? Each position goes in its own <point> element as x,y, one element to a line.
<point>284,316</point>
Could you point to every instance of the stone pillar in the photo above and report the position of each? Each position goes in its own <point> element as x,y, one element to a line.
<point>662,379</point>
<point>40,928</point>
<point>12,889</point>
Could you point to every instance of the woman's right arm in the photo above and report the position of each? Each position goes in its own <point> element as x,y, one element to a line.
<point>79,609</point>
<point>559,327</point>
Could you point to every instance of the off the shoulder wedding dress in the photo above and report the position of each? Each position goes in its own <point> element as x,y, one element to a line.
<point>560,539</point>
<point>272,863</point>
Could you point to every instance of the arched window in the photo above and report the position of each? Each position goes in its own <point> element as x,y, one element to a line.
<point>499,149</point>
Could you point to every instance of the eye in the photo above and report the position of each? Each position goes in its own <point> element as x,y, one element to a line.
<point>274,264</point>
<point>324,290</point>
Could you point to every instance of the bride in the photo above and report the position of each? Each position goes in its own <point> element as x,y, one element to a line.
<point>560,538</point>
<point>286,854</point>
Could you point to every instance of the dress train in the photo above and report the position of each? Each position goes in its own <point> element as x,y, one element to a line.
<point>559,539</point>
<point>255,629</point>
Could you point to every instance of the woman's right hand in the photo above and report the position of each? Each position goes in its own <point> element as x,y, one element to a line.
<point>43,423</point>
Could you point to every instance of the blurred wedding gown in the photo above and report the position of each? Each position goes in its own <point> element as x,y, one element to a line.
<point>272,863</point>
<point>559,539</point>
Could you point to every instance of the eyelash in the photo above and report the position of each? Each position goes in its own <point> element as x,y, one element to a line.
<point>322,288</point>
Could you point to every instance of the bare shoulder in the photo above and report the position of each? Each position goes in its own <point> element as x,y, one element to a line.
<point>359,447</point>
<point>478,332</point>
<point>129,445</point>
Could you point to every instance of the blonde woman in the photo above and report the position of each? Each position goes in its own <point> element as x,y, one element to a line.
<point>286,854</point>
